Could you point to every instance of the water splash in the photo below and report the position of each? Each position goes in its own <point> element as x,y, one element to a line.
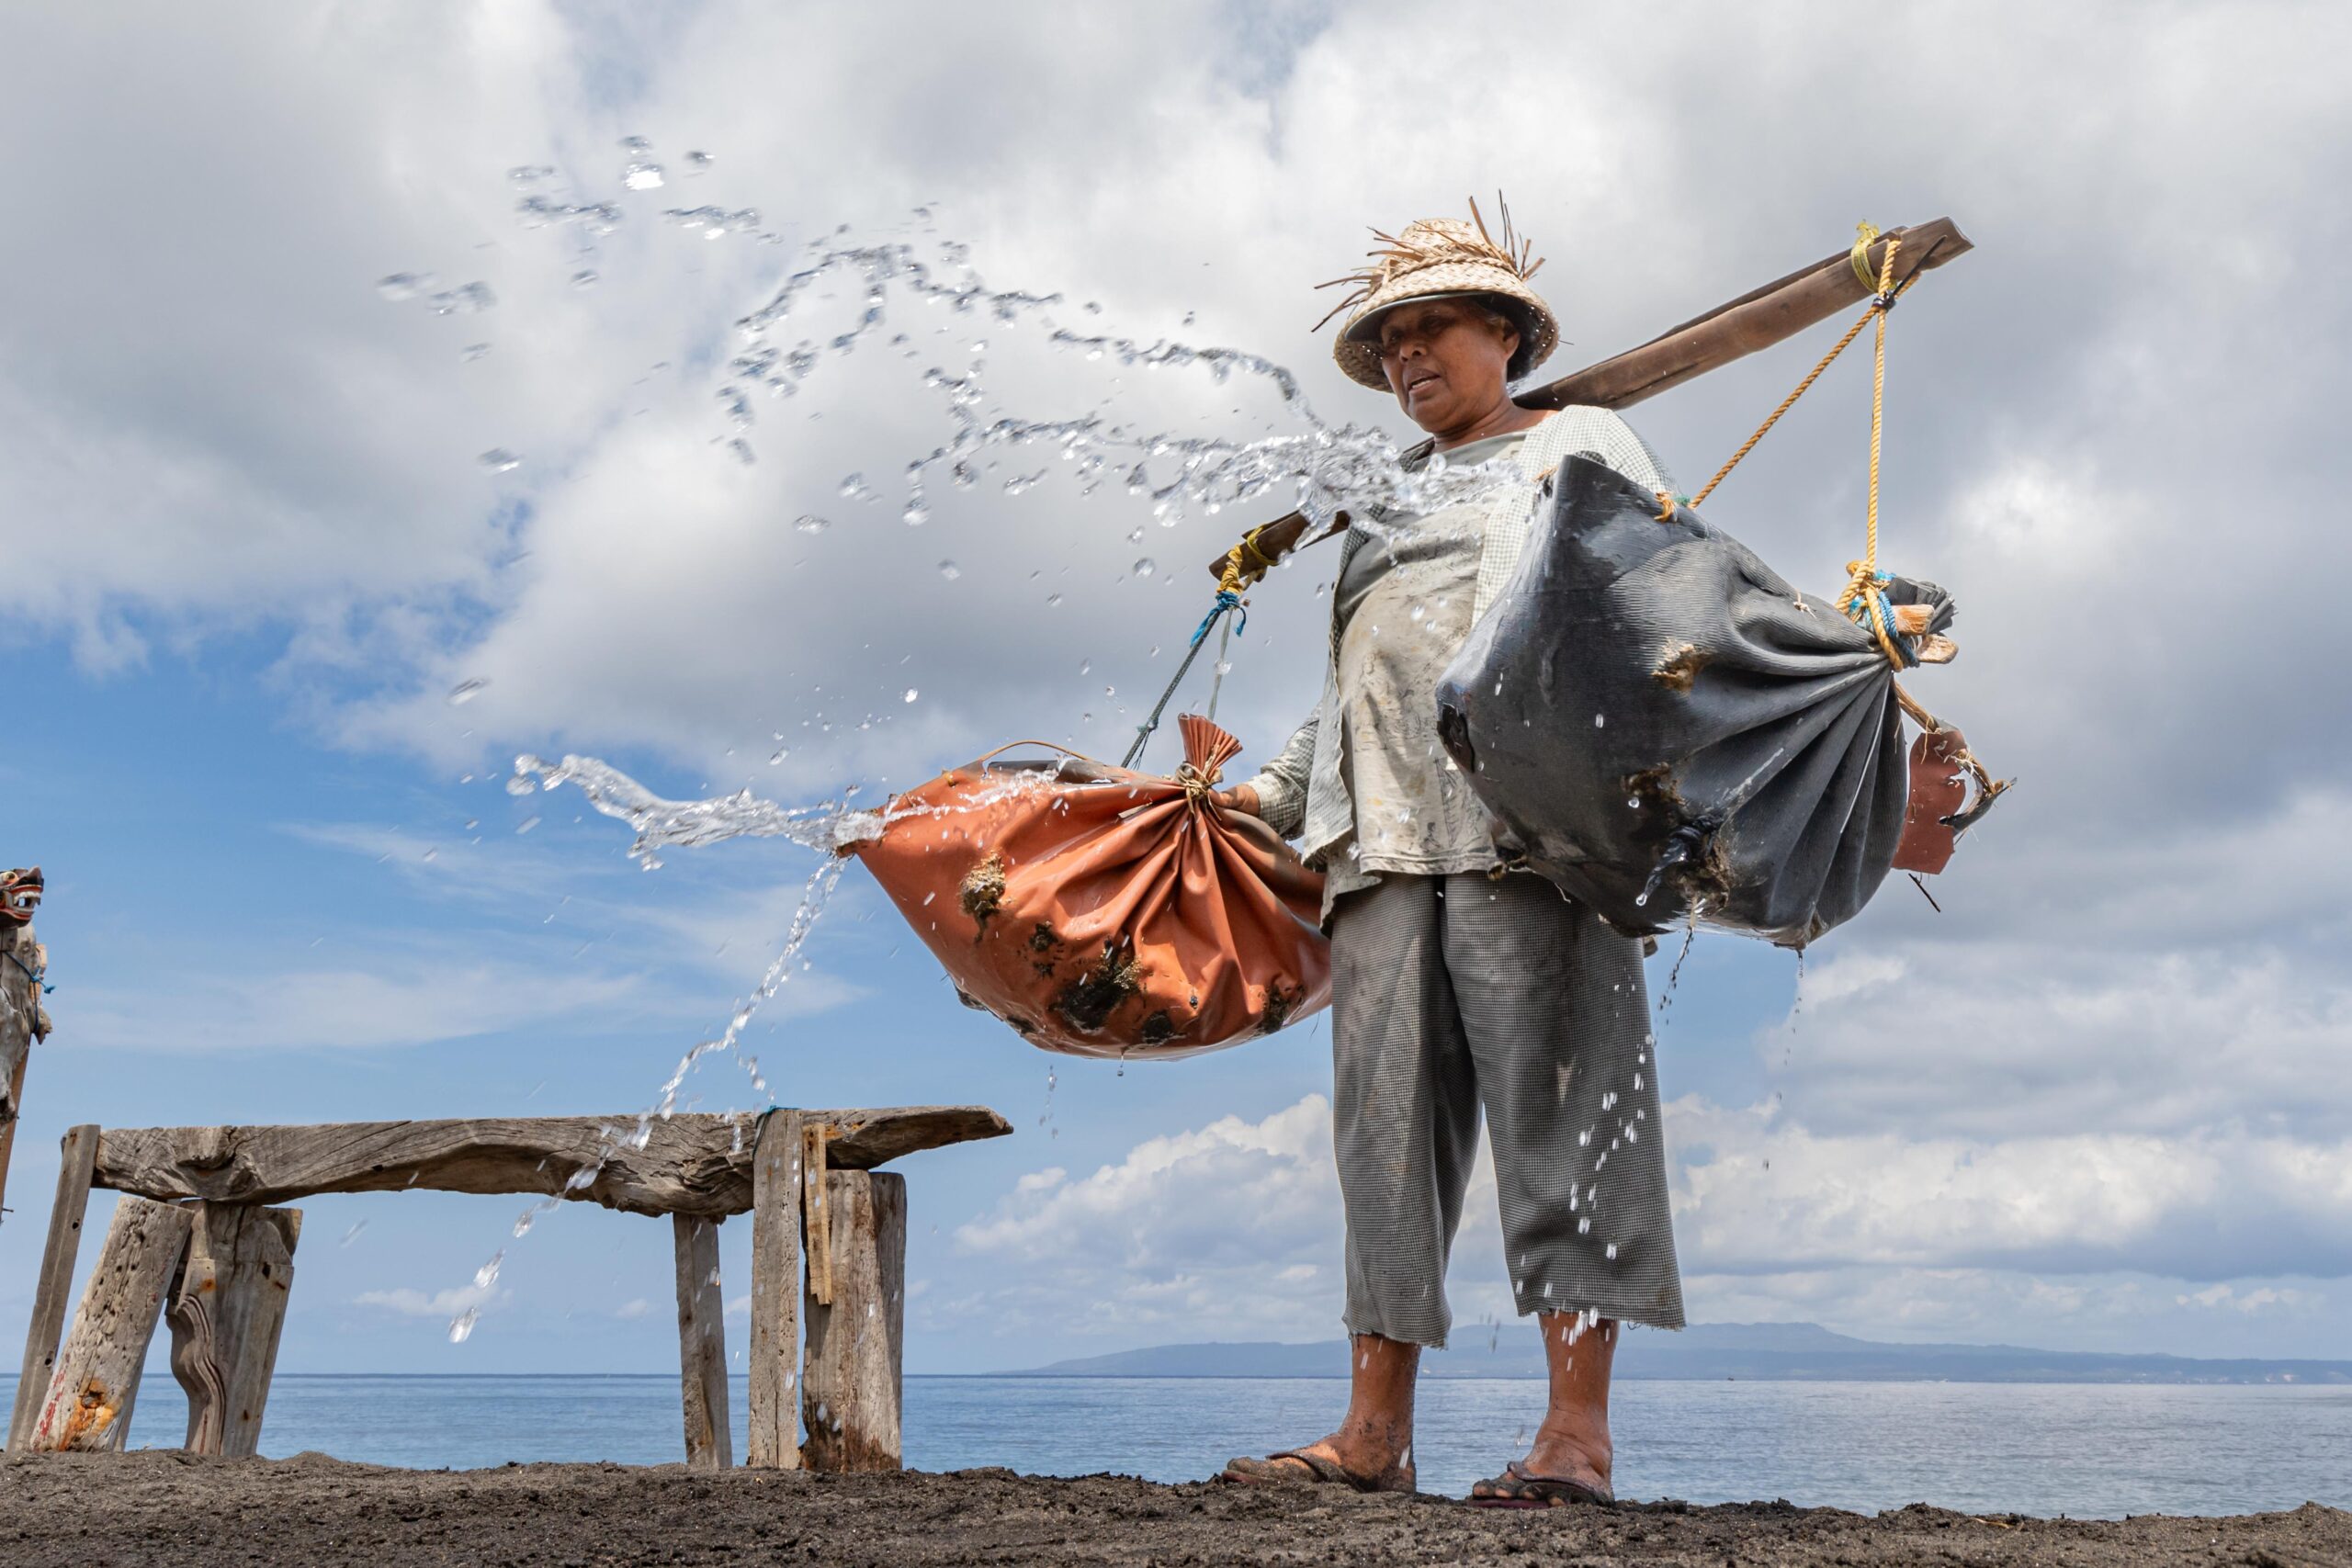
<point>1317,470</point>
<point>829,826</point>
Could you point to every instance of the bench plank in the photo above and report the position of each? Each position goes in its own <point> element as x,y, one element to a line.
<point>696,1164</point>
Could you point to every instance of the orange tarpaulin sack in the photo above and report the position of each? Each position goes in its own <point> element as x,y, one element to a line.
<point>1106,912</point>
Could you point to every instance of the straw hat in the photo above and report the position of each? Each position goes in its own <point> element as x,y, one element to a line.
<point>1444,258</point>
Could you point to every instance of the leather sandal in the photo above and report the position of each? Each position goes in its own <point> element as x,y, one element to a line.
<point>1517,1487</point>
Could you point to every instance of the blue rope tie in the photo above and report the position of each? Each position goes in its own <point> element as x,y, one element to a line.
<point>1227,599</point>
<point>36,975</point>
<point>1858,610</point>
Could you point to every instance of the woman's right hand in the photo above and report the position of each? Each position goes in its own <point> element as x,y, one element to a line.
<point>1240,798</point>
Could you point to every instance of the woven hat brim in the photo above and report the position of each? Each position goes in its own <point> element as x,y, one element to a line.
<point>1539,332</point>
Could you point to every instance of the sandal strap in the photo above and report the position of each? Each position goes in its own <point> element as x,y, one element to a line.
<point>1525,1479</point>
<point>1329,1471</point>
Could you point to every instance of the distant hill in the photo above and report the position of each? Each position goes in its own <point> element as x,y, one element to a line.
<point>1783,1352</point>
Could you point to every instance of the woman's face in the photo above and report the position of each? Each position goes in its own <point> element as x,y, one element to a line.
<point>1445,360</point>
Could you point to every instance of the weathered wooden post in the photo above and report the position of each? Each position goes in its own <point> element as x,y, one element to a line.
<point>228,1306</point>
<point>702,1343</point>
<point>775,1439</point>
<point>23,961</point>
<point>89,1402</point>
<point>851,1390</point>
<point>52,1287</point>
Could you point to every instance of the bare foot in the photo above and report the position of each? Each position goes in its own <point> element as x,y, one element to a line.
<point>1362,1458</point>
<point>1568,1449</point>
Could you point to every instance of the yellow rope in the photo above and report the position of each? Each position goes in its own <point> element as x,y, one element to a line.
<point>1876,311</point>
<point>1865,236</point>
<point>1864,584</point>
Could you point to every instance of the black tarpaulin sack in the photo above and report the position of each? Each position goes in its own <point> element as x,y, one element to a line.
<point>1660,724</point>
<point>1668,731</point>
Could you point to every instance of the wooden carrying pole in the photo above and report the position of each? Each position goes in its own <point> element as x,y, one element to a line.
<point>1757,320</point>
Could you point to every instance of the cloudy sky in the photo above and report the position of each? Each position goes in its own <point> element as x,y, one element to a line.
<point>252,548</point>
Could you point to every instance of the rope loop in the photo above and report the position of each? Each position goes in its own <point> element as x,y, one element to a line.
<point>1227,599</point>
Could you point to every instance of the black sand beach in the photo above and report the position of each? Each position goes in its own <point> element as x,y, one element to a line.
<point>163,1507</point>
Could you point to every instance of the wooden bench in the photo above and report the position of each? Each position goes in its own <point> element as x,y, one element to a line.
<point>201,1239</point>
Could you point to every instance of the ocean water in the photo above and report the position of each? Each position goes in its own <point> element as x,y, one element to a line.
<point>2086,1451</point>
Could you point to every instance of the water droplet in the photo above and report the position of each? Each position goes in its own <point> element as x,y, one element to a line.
<point>854,486</point>
<point>467,690</point>
<point>584,278</point>
<point>527,824</point>
<point>642,176</point>
<point>810,523</point>
<point>1599,719</point>
<point>698,160</point>
<point>402,286</point>
<point>1052,599</point>
<point>472,351</point>
<point>916,515</point>
<point>499,461</point>
<point>912,694</point>
<point>636,146</point>
<point>1611,1252</point>
<point>529,174</point>
<point>950,570</point>
<point>462,1326</point>
<point>1146,567</point>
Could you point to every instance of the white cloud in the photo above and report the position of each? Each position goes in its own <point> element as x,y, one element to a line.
<point>409,1301</point>
<point>1757,1193</point>
<point>638,1306</point>
<point>1198,1227</point>
<point>1232,1231</point>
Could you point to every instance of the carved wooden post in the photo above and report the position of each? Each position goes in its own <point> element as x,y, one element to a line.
<point>53,1286</point>
<point>23,1019</point>
<point>227,1308</point>
<point>775,1439</point>
<point>850,1391</point>
<point>88,1403</point>
<point>702,1343</point>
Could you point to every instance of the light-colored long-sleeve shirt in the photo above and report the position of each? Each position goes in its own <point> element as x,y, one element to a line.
<point>1364,783</point>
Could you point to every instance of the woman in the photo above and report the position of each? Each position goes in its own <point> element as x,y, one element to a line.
<point>1456,986</point>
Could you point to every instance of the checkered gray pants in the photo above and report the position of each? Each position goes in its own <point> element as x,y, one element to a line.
<point>1453,992</point>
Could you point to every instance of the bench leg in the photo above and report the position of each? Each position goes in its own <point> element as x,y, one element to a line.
<point>775,1439</point>
<point>89,1399</point>
<point>702,1343</point>
<point>52,1289</point>
<point>228,1307</point>
<point>851,1390</point>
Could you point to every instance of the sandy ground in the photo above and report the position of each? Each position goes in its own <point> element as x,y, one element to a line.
<point>165,1507</point>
